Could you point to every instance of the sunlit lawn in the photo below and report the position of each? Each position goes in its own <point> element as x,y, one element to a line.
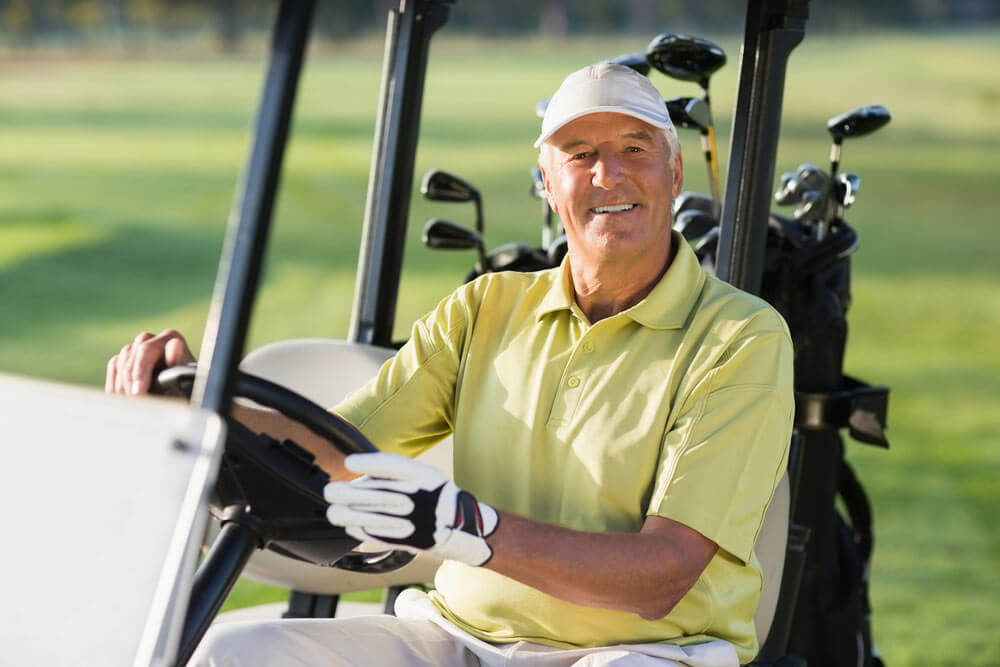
<point>117,179</point>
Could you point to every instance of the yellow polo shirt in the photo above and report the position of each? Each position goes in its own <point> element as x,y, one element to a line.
<point>681,407</point>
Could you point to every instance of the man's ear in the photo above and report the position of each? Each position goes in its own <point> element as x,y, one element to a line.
<point>678,174</point>
<point>548,186</point>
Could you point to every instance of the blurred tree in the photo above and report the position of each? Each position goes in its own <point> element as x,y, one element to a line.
<point>132,22</point>
<point>554,17</point>
<point>15,17</point>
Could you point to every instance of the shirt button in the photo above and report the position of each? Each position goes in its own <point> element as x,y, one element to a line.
<point>588,346</point>
<point>573,381</point>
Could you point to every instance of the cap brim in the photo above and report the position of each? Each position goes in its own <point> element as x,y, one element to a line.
<point>625,111</point>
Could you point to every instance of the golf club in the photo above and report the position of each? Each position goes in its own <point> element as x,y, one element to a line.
<point>439,185</point>
<point>549,232</point>
<point>446,235</point>
<point>692,59</point>
<point>854,123</point>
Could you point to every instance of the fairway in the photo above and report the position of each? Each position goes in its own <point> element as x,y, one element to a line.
<point>117,179</point>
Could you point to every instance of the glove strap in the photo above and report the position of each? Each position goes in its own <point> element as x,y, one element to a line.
<point>468,519</point>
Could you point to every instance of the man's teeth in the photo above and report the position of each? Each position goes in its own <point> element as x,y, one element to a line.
<point>614,209</point>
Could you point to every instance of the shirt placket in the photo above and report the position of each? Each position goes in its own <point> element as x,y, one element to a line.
<point>573,381</point>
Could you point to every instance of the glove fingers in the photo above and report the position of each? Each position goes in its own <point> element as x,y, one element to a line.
<point>394,466</point>
<point>383,484</point>
<point>361,536</point>
<point>361,498</point>
<point>375,524</point>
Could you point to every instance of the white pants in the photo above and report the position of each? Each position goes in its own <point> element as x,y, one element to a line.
<point>419,636</point>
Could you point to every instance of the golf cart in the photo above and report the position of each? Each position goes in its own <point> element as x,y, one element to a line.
<point>265,496</point>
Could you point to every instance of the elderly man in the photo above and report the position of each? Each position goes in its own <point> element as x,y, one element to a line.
<point>620,424</point>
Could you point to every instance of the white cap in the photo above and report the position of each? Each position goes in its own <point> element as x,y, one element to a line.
<point>605,87</point>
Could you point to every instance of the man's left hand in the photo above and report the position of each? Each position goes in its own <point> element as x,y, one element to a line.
<point>404,504</point>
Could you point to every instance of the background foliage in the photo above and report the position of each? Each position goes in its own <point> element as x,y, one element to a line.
<point>135,24</point>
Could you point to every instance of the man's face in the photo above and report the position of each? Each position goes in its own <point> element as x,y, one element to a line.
<point>612,180</point>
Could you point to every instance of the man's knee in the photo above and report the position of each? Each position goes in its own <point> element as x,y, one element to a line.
<point>369,640</point>
<point>240,644</point>
<point>622,658</point>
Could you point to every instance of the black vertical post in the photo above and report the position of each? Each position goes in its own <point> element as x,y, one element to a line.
<point>391,179</point>
<point>773,29</point>
<point>213,581</point>
<point>250,218</point>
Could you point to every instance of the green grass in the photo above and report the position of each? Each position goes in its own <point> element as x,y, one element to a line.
<point>118,178</point>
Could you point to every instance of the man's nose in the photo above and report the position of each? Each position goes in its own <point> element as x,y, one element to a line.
<point>608,171</point>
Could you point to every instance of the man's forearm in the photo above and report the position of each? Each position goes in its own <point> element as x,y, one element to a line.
<point>275,424</point>
<point>645,573</point>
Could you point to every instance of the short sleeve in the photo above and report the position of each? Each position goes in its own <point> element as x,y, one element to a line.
<point>408,406</point>
<point>726,451</point>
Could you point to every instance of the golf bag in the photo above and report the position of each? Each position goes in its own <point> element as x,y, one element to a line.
<point>808,282</point>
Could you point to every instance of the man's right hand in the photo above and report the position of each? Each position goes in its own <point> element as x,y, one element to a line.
<point>131,370</point>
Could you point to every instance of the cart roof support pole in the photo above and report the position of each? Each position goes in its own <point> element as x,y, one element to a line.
<point>397,126</point>
<point>773,29</point>
<point>250,218</point>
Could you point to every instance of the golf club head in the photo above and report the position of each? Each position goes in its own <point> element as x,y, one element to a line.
<point>692,201</point>
<point>446,235</point>
<point>537,184</point>
<point>685,57</point>
<point>810,177</point>
<point>810,206</point>
<point>858,122</point>
<point>439,185</point>
<point>787,192</point>
<point>636,61</point>
<point>693,224</point>
<point>689,112</point>
<point>557,250</point>
<point>846,188</point>
<point>707,244</point>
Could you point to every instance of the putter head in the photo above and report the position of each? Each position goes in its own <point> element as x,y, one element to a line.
<point>636,61</point>
<point>685,57</point>
<point>858,122</point>
<point>447,235</point>
<point>689,112</point>
<point>439,185</point>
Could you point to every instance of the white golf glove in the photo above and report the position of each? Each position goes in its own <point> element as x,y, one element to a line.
<point>404,504</point>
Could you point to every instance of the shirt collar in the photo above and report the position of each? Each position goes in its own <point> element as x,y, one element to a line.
<point>667,306</point>
<point>560,294</point>
<point>671,301</point>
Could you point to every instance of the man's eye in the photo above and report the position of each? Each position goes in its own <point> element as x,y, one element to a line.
<point>580,156</point>
<point>634,149</point>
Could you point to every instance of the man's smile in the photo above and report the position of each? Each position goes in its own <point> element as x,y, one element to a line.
<point>613,208</point>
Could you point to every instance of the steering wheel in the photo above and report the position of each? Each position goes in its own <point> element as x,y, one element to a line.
<point>275,487</point>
